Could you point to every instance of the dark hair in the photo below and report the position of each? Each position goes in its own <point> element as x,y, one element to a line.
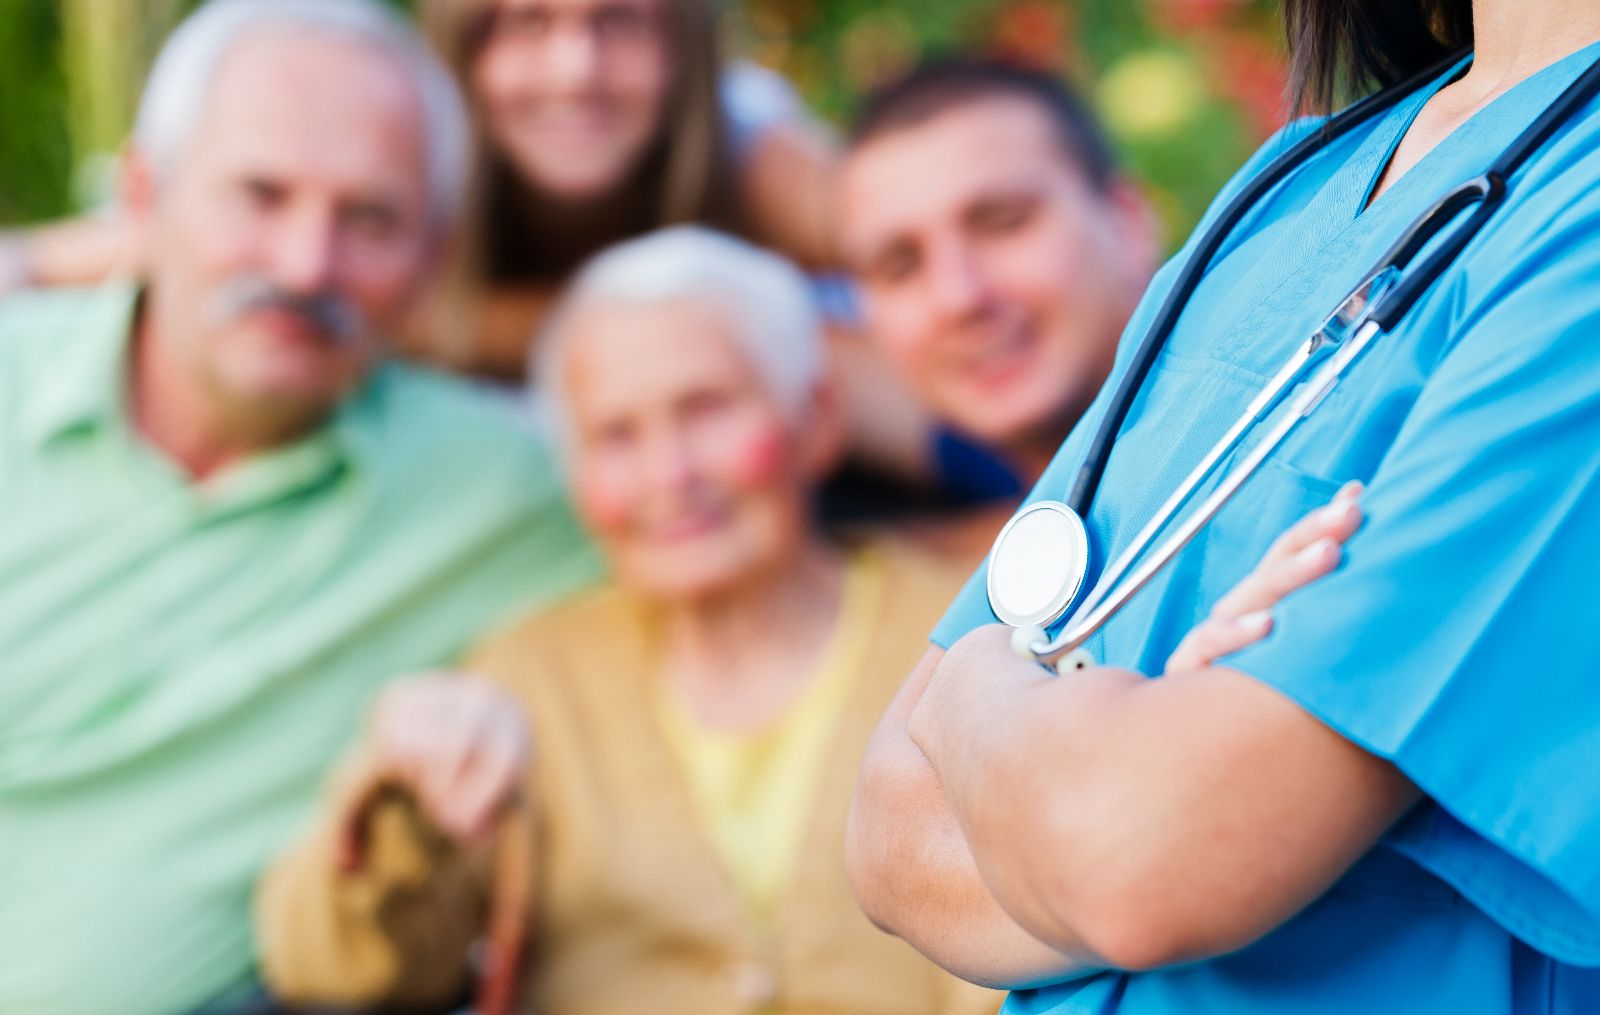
<point>1340,48</point>
<point>945,83</point>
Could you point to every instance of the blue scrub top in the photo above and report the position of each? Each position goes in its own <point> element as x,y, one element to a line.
<point>1461,639</point>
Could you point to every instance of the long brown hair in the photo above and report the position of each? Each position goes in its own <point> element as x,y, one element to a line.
<point>1342,48</point>
<point>685,175</point>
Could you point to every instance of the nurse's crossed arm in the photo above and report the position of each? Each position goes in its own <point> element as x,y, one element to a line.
<point>1175,819</point>
<point>910,862</point>
<point>1425,717</point>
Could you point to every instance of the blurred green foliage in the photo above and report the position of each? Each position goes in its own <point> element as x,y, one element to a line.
<point>1187,87</point>
<point>35,149</point>
<point>70,74</point>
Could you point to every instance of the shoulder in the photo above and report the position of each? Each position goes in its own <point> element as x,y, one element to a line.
<point>918,584</point>
<point>586,633</point>
<point>754,100</point>
<point>455,431</point>
<point>52,337</point>
<point>1553,204</point>
<point>1535,267</point>
<point>34,320</point>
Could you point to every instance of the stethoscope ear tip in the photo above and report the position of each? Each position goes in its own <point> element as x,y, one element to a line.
<point>1027,641</point>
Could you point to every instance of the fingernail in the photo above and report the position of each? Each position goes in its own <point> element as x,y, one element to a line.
<point>1319,550</point>
<point>1337,512</point>
<point>1350,491</point>
<point>1256,623</point>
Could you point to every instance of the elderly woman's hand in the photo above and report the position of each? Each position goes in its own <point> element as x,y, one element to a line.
<point>456,744</point>
<point>1309,550</point>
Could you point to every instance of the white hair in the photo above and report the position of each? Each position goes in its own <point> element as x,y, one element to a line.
<point>179,83</point>
<point>769,302</point>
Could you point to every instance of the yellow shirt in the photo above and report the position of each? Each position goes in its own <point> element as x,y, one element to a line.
<point>753,792</point>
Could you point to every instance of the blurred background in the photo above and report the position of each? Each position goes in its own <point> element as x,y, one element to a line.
<point>1187,87</point>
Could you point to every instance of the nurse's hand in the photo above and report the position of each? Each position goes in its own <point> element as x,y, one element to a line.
<point>457,745</point>
<point>1312,548</point>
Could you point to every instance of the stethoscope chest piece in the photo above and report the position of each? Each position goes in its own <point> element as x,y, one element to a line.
<point>1038,565</point>
<point>1041,558</point>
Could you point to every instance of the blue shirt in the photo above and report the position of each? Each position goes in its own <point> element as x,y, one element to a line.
<point>1460,639</point>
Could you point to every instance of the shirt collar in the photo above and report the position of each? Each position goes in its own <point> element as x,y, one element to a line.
<point>86,390</point>
<point>349,440</point>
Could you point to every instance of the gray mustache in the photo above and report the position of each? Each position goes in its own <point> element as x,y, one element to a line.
<point>326,312</point>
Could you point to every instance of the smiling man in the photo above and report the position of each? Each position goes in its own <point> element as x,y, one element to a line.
<point>225,519</point>
<point>999,249</point>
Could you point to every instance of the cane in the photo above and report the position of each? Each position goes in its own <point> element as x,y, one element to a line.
<point>511,894</point>
<point>511,903</point>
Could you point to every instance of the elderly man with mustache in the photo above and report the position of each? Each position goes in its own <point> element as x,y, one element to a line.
<point>224,518</point>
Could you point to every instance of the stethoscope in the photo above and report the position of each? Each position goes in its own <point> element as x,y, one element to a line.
<point>1040,559</point>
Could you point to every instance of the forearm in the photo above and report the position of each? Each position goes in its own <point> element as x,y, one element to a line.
<point>1148,822</point>
<point>788,192</point>
<point>887,428</point>
<point>915,877</point>
<point>1004,777</point>
<point>83,251</point>
<point>397,929</point>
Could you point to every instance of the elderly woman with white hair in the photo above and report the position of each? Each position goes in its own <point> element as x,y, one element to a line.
<point>699,721</point>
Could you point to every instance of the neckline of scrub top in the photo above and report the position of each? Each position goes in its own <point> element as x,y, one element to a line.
<point>1330,219</point>
<point>1398,124</point>
<point>1385,142</point>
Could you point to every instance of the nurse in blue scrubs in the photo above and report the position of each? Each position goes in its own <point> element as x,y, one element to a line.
<point>1391,802</point>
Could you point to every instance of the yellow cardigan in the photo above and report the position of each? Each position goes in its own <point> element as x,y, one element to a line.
<point>634,911</point>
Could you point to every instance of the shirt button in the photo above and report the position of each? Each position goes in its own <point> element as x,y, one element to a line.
<point>755,984</point>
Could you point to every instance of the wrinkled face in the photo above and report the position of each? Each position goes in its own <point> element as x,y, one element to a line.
<point>292,226</point>
<point>573,92</point>
<point>1000,283</point>
<point>683,466</point>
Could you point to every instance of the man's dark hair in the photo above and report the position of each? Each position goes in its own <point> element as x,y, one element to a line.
<point>946,83</point>
<point>1341,48</point>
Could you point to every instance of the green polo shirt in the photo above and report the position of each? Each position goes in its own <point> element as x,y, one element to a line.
<point>181,662</point>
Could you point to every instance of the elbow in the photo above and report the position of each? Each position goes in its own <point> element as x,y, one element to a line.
<point>865,850</point>
<point>881,846</point>
<point>1120,926</point>
<point>1133,905</point>
<point>1139,918</point>
<point>863,875</point>
<point>1134,941</point>
<point>1140,940</point>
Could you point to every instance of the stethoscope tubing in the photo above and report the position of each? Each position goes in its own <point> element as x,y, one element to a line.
<point>1318,387</point>
<point>1483,194</point>
<point>1086,483</point>
<point>1487,192</point>
<point>1260,406</point>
